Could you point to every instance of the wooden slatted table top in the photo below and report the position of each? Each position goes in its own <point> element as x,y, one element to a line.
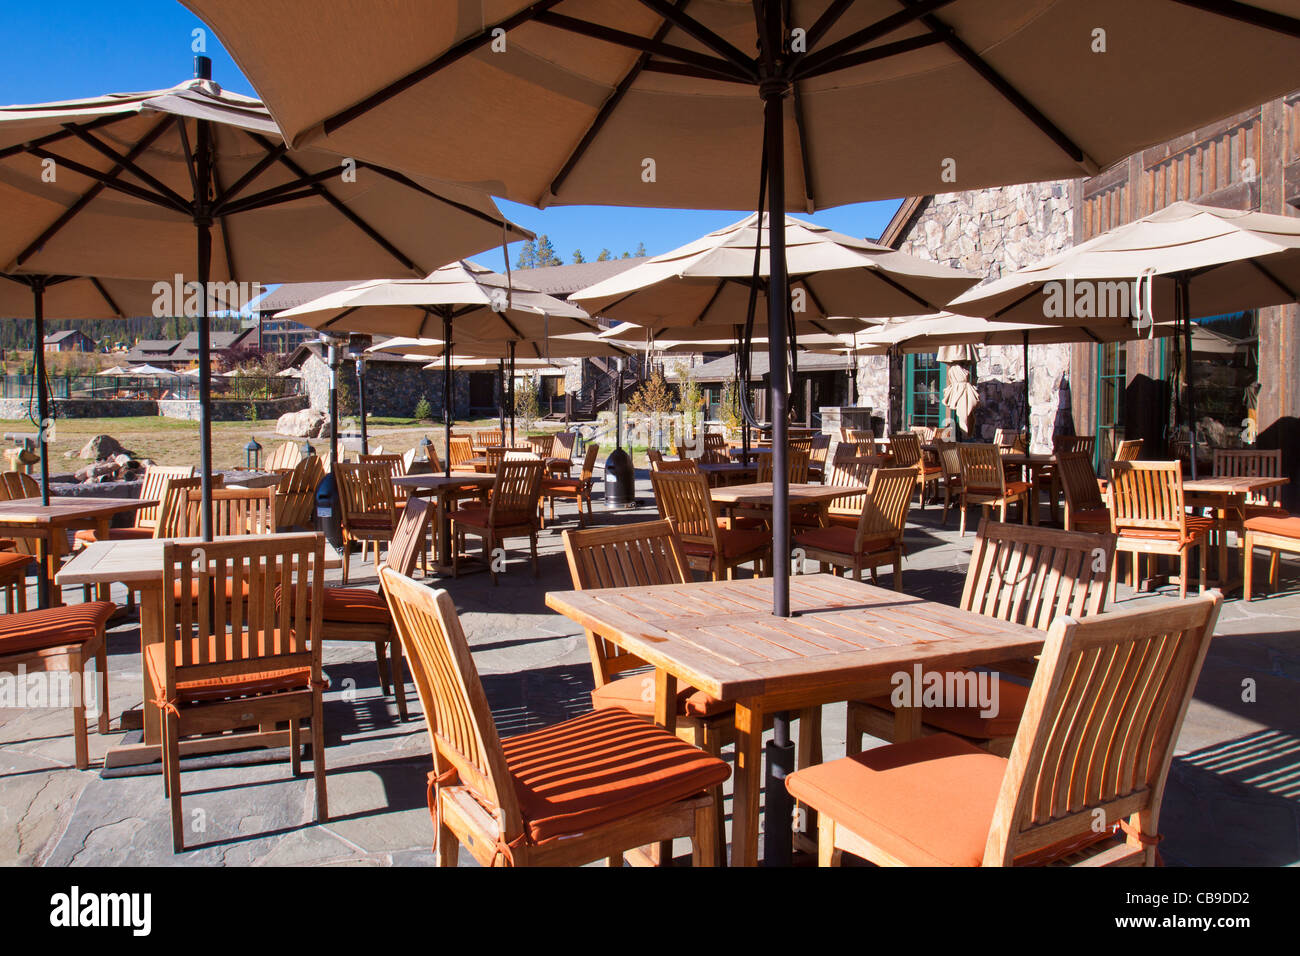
<point>760,493</point>
<point>727,468</point>
<point>438,482</point>
<point>30,511</point>
<point>1239,485</point>
<point>140,562</point>
<point>1028,458</point>
<point>721,637</point>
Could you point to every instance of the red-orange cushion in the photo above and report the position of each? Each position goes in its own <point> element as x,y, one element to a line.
<point>926,802</point>
<point>13,565</point>
<point>734,544</point>
<point>967,721</point>
<point>1265,511</point>
<point>8,544</point>
<point>476,516</point>
<point>1196,527</point>
<point>636,695</point>
<point>602,767</point>
<point>565,486</point>
<point>1288,527</point>
<point>349,606</point>
<point>221,688</point>
<point>87,535</point>
<point>841,539</point>
<point>196,583</point>
<point>54,626</point>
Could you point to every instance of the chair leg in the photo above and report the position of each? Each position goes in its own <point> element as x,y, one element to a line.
<point>448,847</point>
<point>295,746</point>
<point>171,743</point>
<point>381,662</point>
<point>852,735</point>
<point>347,548</point>
<point>318,755</point>
<point>1182,572</point>
<point>399,676</point>
<point>1205,560</point>
<point>827,855</point>
<point>704,851</point>
<point>81,745</point>
<point>532,541</point>
<point>101,675</point>
<point>1248,562</point>
<point>1274,560</point>
<point>962,530</point>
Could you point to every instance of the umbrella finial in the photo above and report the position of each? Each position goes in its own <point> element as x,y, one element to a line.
<point>202,68</point>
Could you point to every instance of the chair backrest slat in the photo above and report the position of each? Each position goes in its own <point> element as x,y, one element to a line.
<point>516,492</point>
<point>981,469</point>
<point>1129,449</point>
<point>884,510</point>
<point>685,501</point>
<point>408,539</point>
<point>1100,726</point>
<point>857,471</point>
<point>155,479</point>
<point>1251,463</point>
<point>459,449</point>
<point>296,495</point>
<point>589,461</point>
<point>1147,495</point>
<point>466,747</point>
<point>905,447</point>
<point>1030,575</point>
<point>366,491</point>
<point>172,511</point>
<point>796,466</point>
<point>235,511</point>
<point>1079,482</point>
<point>1076,444</point>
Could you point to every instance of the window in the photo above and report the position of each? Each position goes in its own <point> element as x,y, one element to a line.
<point>924,382</point>
<point>1112,378</point>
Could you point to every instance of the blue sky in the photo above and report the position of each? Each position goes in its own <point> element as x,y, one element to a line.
<point>74,48</point>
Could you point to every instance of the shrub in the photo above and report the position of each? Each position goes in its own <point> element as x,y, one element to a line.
<point>423,410</point>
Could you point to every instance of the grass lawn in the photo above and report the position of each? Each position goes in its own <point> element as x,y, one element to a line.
<point>168,441</point>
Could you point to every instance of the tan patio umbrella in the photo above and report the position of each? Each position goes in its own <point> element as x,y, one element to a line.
<point>197,181</point>
<point>812,329</point>
<point>459,298</point>
<point>1183,261</point>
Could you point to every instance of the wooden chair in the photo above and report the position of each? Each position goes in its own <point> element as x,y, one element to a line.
<point>1100,726</point>
<point>539,445</point>
<point>360,614</point>
<point>950,471</point>
<point>1047,480</point>
<point>235,511</point>
<point>1085,509</point>
<point>820,447</point>
<point>984,483</point>
<point>1010,439</point>
<point>1148,513</point>
<point>511,512</point>
<point>568,489</point>
<point>905,447</point>
<point>431,456</point>
<point>499,453</point>
<point>459,450</point>
<point>13,580</point>
<point>878,538</point>
<point>368,507</point>
<point>295,498</point>
<point>146,519</point>
<point>259,664</point>
<point>796,466</point>
<point>847,512</point>
<point>58,639</point>
<point>1275,535</point>
<point>589,788</point>
<point>485,438</point>
<point>15,486</point>
<point>685,501</point>
<point>653,457</point>
<point>284,457</point>
<point>858,435</point>
<point>560,462</point>
<point>1252,463</point>
<point>715,448</point>
<point>1024,575</point>
<point>684,466</point>
<point>1129,449</point>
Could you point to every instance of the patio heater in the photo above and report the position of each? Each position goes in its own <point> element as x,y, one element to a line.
<point>357,345</point>
<point>620,479</point>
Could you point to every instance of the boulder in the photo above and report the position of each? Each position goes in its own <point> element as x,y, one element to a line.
<point>102,447</point>
<point>306,423</point>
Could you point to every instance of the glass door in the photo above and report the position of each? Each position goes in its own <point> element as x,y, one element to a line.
<point>1112,379</point>
<point>924,381</point>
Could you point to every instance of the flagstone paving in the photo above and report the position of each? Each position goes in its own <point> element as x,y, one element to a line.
<point>1233,796</point>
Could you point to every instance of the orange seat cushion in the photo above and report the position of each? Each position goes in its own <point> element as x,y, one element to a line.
<point>477,516</point>
<point>370,523</point>
<point>87,535</point>
<point>54,626</point>
<point>8,544</point>
<point>967,721</point>
<point>735,543</point>
<point>1265,511</point>
<point>1196,527</point>
<point>13,565</point>
<point>220,688</point>
<point>1012,489</point>
<point>562,486</point>
<point>636,695</point>
<point>841,539</point>
<point>926,802</point>
<point>196,583</point>
<point>1288,527</point>
<point>349,606</point>
<point>602,767</point>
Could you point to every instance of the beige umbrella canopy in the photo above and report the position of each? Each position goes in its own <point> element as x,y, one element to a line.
<point>579,345</point>
<point>195,181</point>
<point>76,297</point>
<point>930,333</point>
<point>960,395</point>
<point>567,100</point>
<point>808,330</point>
<point>477,302</point>
<point>707,282</point>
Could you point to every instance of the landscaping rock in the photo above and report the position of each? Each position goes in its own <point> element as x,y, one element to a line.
<point>102,447</point>
<point>302,424</point>
<point>97,471</point>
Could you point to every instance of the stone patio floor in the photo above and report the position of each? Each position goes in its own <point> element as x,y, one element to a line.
<point>1233,796</point>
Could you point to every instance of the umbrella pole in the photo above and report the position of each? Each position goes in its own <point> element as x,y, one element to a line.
<point>42,399</point>
<point>361,403</point>
<point>203,225</point>
<point>446,391</point>
<point>1029,437</point>
<point>512,393</point>
<point>1184,308</point>
<point>501,373</point>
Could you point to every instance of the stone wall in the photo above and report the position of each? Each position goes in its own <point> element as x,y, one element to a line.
<point>989,232</point>
<point>231,410</point>
<point>14,409</point>
<point>392,388</point>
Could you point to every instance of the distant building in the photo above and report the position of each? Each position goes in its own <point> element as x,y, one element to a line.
<point>69,340</point>
<point>173,353</point>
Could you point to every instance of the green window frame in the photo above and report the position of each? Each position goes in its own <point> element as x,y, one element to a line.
<point>1112,379</point>
<point>925,378</point>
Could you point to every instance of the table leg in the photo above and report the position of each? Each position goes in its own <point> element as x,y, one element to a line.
<point>665,717</point>
<point>748,779</point>
<point>907,724</point>
<point>444,534</point>
<point>103,591</point>
<point>151,623</point>
<point>47,562</point>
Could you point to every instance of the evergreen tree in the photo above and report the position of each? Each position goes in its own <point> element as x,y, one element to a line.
<point>604,256</point>
<point>527,256</point>
<point>546,252</point>
<point>577,257</point>
<point>640,250</point>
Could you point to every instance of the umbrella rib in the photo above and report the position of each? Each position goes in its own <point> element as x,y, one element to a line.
<point>633,41</point>
<point>801,130</point>
<point>119,159</point>
<point>830,16</point>
<point>682,69</point>
<point>803,281</point>
<point>717,291</point>
<point>404,180</point>
<point>462,49</point>
<point>68,214</point>
<point>1004,88</point>
<point>342,209</point>
<point>692,27</point>
<point>897,287</point>
<point>256,170</point>
<point>225,230</point>
<point>63,134</point>
<point>1024,298</point>
<point>109,179</point>
<point>882,52</point>
<point>1245,13</point>
<point>814,59</point>
<point>99,287</point>
<point>274,194</point>
<point>189,157</point>
<point>1274,279</point>
<point>608,107</point>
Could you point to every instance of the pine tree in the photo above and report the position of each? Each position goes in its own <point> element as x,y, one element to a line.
<point>626,254</point>
<point>546,252</point>
<point>527,256</point>
<point>577,257</point>
<point>640,250</point>
<point>604,256</point>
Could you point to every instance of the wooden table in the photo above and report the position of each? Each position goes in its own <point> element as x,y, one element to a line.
<point>1228,499</point>
<point>751,455</point>
<point>1033,463</point>
<point>725,471</point>
<point>139,565</point>
<point>28,518</point>
<point>442,488</point>
<point>758,494</point>
<point>845,641</point>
